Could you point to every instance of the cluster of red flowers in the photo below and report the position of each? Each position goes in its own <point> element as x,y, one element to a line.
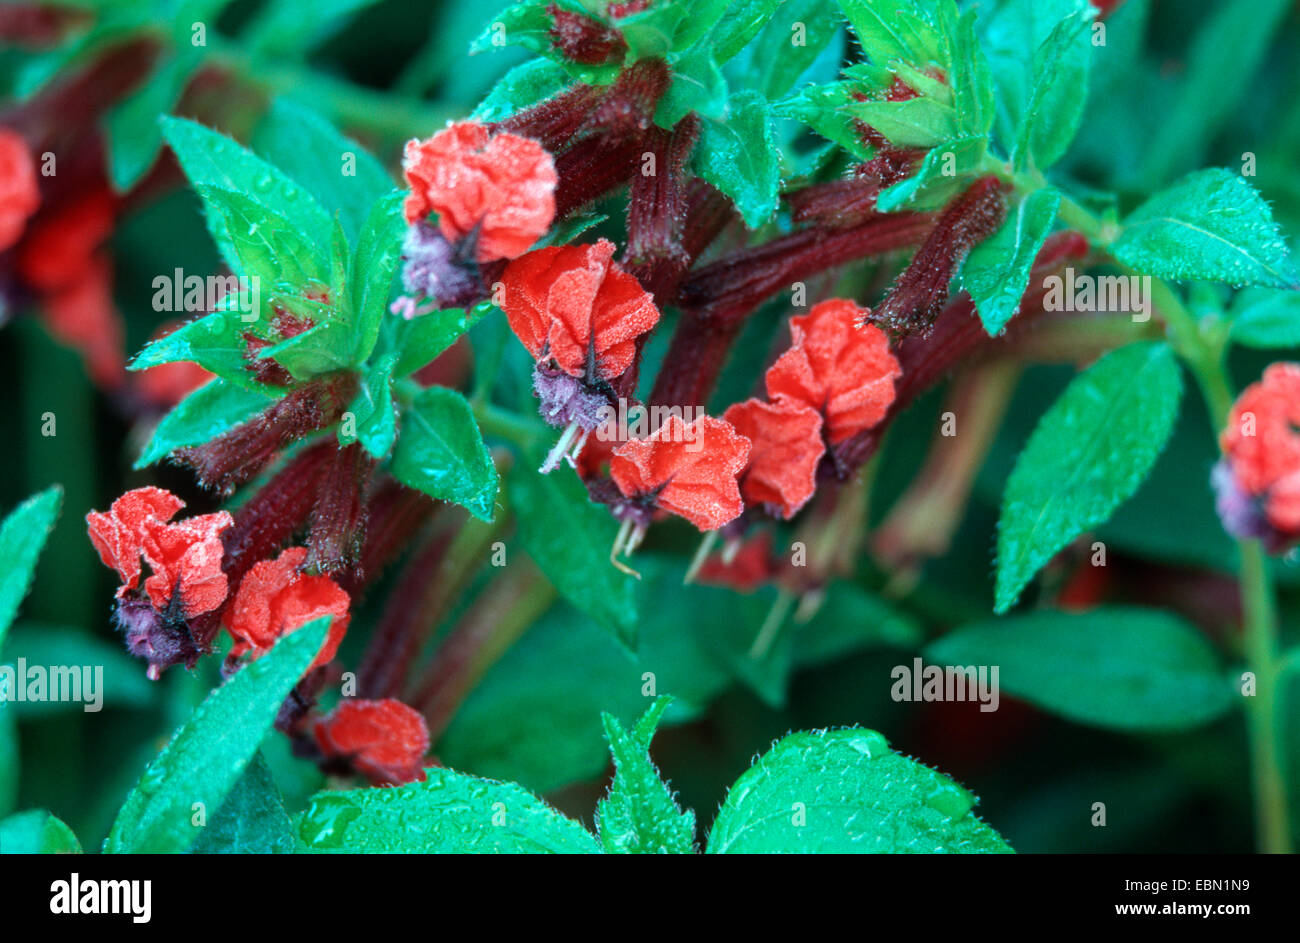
<point>1258,480</point>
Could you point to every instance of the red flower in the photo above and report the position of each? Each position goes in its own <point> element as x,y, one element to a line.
<point>501,185</point>
<point>19,192</point>
<point>574,305</point>
<point>787,445</point>
<point>743,567</point>
<point>60,246</point>
<point>184,556</point>
<point>843,371</point>
<point>82,315</point>
<point>688,469</point>
<point>579,315</point>
<point>274,599</point>
<point>1260,495</point>
<point>384,740</point>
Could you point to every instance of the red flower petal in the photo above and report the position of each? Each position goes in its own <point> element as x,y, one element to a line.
<point>843,370</point>
<point>1262,438</point>
<point>689,469</point>
<point>20,194</point>
<point>559,298</point>
<point>59,246</point>
<point>503,184</point>
<point>385,740</point>
<point>187,555</point>
<point>118,535</point>
<point>274,599</point>
<point>753,566</point>
<point>787,444</point>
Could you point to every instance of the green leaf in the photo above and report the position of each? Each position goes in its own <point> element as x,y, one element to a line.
<point>134,136</point>
<point>208,755</point>
<point>448,813</point>
<point>379,250</point>
<point>215,342</point>
<point>996,273</point>
<point>640,815</point>
<point>441,452</point>
<point>281,31</point>
<point>740,158</point>
<point>266,244</point>
<point>22,537</point>
<point>946,170</point>
<point>916,122</point>
<point>1122,668</point>
<point>845,791</point>
<point>1055,108</point>
<point>36,832</point>
<point>742,21</point>
<point>122,683</point>
<point>422,339</point>
<point>774,61</point>
<point>212,409</point>
<point>570,539</point>
<point>893,29</point>
<point>1213,225</point>
<point>697,85</point>
<point>373,413</point>
<point>1090,452</point>
<point>342,175</point>
<point>821,107</point>
<point>252,820</point>
<point>522,87</point>
<point>1264,318</point>
<point>972,80</point>
<point>210,159</point>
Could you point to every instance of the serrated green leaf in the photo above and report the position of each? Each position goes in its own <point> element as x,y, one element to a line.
<point>846,792</point>
<point>916,122</point>
<point>251,821</point>
<point>420,340</point>
<point>343,176</point>
<point>207,756</point>
<point>789,43</point>
<point>570,539</point>
<point>36,832</point>
<point>640,815</point>
<point>821,107</point>
<point>448,813</point>
<point>213,160</point>
<point>1212,225</point>
<point>212,409</point>
<point>441,452</point>
<point>22,537</point>
<point>266,245</point>
<point>379,250</point>
<point>697,85</point>
<point>972,80</point>
<point>740,158</point>
<point>742,21</point>
<point>215,342</point>
<point>996,273</point>
<point>522,87</point>
<point>1121,668</point>
<point>1265,318</point>
<point>1060,89</point>
<point>1090,452</point>
<point>893,29</point>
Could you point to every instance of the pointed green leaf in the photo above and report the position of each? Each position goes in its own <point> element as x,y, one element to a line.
<point>422,339</point>
<point>134,135</point>
<point>36,832</point>
<point>22,537</point>
<point>1119,667</point>
<point>215,342</point>
<point>379,250</point>
<point>946,171</point>
<point>252,820</point>
<point>448,813</point>
<point>1055,108</point>
<point>846,792</point>
<point>212,409</point>
<point>640,815</point>
<point>1213,225</point>
<point>916,122</point>
<point>441,452</point>
<point>373,412</point>
<point>343,176</point>
<point>207,756</point>
<point>893,29</point>
<point>1265,318</point>
<point>996,273</point>
<point>266,244</point>
<point>1090,452</point>
<point>740,157</point>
